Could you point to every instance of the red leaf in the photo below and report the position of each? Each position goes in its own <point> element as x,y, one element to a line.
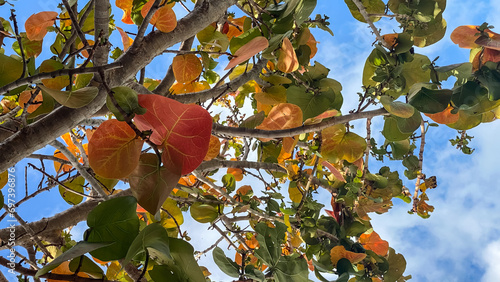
<point>183,130</point>
<point>114,150</point>
<point>151,184</point>
<point>248,50</point>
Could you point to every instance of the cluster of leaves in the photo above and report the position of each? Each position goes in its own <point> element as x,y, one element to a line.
<point>296,131</point>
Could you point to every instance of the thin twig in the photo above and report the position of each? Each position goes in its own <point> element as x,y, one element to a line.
<point>420,176</point>
<point>74,162</point>
<point>368,146</point>
<point>362,11</point>
<point>76,24</point>
<point>18,38</point>
<point>32,79</point>
<point>199,254</point>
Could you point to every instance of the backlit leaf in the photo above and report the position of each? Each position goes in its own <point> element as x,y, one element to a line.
<point>213,148</point>
<point>114,149</point>
<point>282,116</point>
<point>30,48</point>
<point>371,6</point>
<point>204,213</point>
<point>150,183</point>
<point>182,130</point>
<point>75,185</point>
<point>186,68</point>
<point>153,239</point>
<point>248,50</point>
<point>287,60</point>
<point>73,99</point>
<point>58,82</point>
<point>126,40</point>
<point>372,241</point>
<point>36,25</point>
<point>164,19</point>
<point>25,96</point>
<point>10,69</point>
<point>126,6</point>
<point>271,95</point>
<point>173,211</point>
<point>397,108</point>
<point>339,252</point>
<point>339,145</point>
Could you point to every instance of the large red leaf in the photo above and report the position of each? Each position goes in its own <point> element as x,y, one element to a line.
<point>182,130</point>
<point>114,149</point>
<point>151,184</point>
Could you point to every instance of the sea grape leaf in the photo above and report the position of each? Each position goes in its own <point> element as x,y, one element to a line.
<point>77,250</point>
<point>337,144</point>
<point>153,239</point>
<point>151,184</point>
<point>113,221</point>
<point>182,130</point>
<point>75,185</point>
<point>114,149</point>
<point>186,68</point>
<point>250,49</point>
<point>72,99</point>
<point>225,264</point>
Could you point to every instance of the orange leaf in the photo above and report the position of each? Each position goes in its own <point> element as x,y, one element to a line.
<point>320,117</point>
<point>63,268</point>
<point>236,28</point>
<point>238,173</point>
<point>186,68</point>
<point>152,184</point>
<point>126,40</point>
<point>282,116</point>
<point>114,149</point>
<point>164,19</point>
<point>25,96</point>
<point>126,6</point>
<point>36,25</point>
<point>58,82</point>
<point>339,252</point>
<point>182,130</point>
<point>336,173</point>
<point>466,35</point>
<point>287,60</point>
<point>195,86</point>
<point>444,117</point>
<point>311,42</point>
<point>247,51</point>
<point>213,148</point>
<point>373,242</point>
<point>85,53</point>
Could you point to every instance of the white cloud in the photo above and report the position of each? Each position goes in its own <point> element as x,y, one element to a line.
<point>490,257</point>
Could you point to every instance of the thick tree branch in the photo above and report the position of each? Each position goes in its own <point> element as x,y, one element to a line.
<point>101,32</point>
<point>259,133</point>
<point>60,121</point>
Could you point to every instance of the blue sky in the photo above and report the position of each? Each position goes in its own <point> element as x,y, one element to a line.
<point>460,241</point>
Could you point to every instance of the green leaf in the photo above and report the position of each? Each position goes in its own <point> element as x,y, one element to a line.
<point>77,250</point>
<point>397,108</point>
<point>371,6</point>
<point>229,182</point>
<point>244,38</point>
<point>113,221</point>
<point>72,99</point>
<point>225,264</point>
<point>429,101</point>
<point>310,104</point>
<point>204,213</point>
<point>127,100</point>
<point>30,48</point>
<point>345,266</point>
<point>391,131</point>
<point>10,69</point>
<point>291,268</point>
<point>75,185</point>
<point>409,125</point>
<point>153,239</point>
<point>253,121</point>
<point>304,10</point>
<point>254,273</point>
<point>183,255</point>
<point>490,78</point>
<point>411,163</point>
<point>290,7</point>
<point>269,240</point>
<point>339,145</point>
<point>461,71</point>
<point>468,95</point>
<point>84,264</point>
<point>397,266</point>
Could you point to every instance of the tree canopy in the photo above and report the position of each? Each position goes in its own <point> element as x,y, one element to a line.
<point>244,133</point>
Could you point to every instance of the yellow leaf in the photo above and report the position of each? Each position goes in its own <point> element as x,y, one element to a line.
<point>338,145</point>
<point>166,220</point>
<point>4,178</point>
<point>287,60</point>
<point>186,67</point>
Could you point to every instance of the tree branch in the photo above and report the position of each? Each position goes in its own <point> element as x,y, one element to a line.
<point>363,13</point>
<point>45,228</point>
<point>216,163</point>
<point>259,133</point>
